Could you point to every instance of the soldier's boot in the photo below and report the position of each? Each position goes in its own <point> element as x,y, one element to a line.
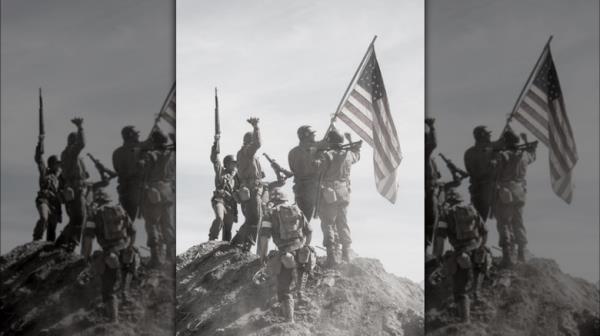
<point>506,257</point>
<point>521,253</point>
<point>287,309</point>
<point>302,279</point>
<point>330,261</point>
<point>213,233</point>
<point>464,310</point>
<point>346,253</point>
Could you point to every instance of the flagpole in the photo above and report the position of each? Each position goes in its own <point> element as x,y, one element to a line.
<point>162,109</point>
<point>360,66</point>
<point>533,71</point>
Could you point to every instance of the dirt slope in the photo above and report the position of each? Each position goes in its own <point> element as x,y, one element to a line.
<point>535,298</point>
<point>216,296</point>
<point>46,291</point>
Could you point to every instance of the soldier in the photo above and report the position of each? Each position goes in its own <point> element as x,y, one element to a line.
<point>48,201</point>
<point>114,230</point>
<point>480,166</point>
<point>223,201</point>
<point>432,175</point>
<point>306,176</point>
<point>467,234</point>
<point>158,204</point>
<point>511,192</point>
<point>251,189</point>
<point>75,175</point>
<point>335,163</point>
<point>125,159</point>
<point>292,234</point>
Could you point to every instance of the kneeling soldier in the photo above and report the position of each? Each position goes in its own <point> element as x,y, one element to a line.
<point>111,225</point>
<point>465,230</point>
<point>292,234</point>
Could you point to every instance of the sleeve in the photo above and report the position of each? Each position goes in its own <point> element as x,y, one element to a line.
<point>39,160</point>
<point>355,156</point>
<point>80,144</point>
<point>256,141</point>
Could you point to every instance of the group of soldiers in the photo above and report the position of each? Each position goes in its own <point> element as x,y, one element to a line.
<point>496,172</point>
<point>321,172</point>
<point>146,187</point>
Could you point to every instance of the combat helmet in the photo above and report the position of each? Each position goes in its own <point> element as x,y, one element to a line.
<point>453,197</point>
<point>101,197</point>
<point>335,137</point>
<point>305,131</point>
<point>278,195</point>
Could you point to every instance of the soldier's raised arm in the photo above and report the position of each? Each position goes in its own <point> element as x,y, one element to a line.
<point>256,139</point>
<point>80,140</point>
<point>39,155</point>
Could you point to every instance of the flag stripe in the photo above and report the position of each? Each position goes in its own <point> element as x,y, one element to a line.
<point>356,128</point>
<point>536,132</point>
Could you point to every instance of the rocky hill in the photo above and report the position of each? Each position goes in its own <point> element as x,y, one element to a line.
<point>217,296</point>
<point>535,298</point>
<point>46,291</point>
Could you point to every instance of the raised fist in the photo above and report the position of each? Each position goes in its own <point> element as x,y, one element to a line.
<point>77,121</point>
<point>253,121</point>
<point>430,121</point>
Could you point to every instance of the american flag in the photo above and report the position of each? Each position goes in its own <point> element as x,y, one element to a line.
<point>167,112</point>
<point>366,111</point>
<point>542,112</point>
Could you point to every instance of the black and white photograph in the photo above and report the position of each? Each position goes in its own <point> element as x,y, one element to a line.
<point>301,122</point>
<point>88,168</point>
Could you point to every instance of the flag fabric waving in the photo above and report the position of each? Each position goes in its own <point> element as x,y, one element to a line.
<point>167,112</point>
<point>542,111</point>
<point>366,111</point>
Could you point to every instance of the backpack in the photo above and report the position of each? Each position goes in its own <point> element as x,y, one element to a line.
<point>290,222</point>
<point>113,222</point>
<point>466,220</point>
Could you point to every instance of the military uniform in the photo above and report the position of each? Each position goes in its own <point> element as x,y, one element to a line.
<point>48,200</point>
<point>159,201</point>
<point>432,175</point>
<point>115,233</point>
<point>250,175</point>
<point>467,234</point>
<point>291,232</point>
<point>479,164</point>
<point>223,200</point>
<point>125,160</point>
<point>335,197</point>
<point>75,176</point>
<point>511,193</point>
<point>306,176</point>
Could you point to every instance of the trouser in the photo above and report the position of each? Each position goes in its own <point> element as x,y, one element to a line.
<point>463,276</point>
<point>431,214</point>
<point>510,224</point>
<point>224,221</point>
<point>160,225</point>
<point>109,279</point>
<point>334,223</point>
<point>77,211</point>
<point>130,197</point>
<point>305,195</point>
<point>47,222</point>
<point>481,198</point>
<point>252,210</point>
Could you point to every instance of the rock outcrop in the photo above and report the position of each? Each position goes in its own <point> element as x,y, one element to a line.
<point>216,295</point>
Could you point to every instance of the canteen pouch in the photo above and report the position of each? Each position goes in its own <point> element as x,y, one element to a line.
<point>304,255</point>
<point>166,192</point>
<point>68,194</point>
<point>244,194</point>
<point>111,260</point>
<point>463,261</point>
<point>329,195</point>
<point>505,195</point>
<point>153,195</point>
<point>518,191</point>
<point>288,260</point>
<point>342,191</point>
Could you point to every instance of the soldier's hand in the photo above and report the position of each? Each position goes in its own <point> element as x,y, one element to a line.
<point>348,136</point>
<point>77,121</point>
<point>217,137</point>
<point>430,121</point>
<point>253,121</point>
<point>41,137</point>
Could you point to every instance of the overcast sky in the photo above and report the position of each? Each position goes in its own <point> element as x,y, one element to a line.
<point>288,63</point>
<point>479,54</point>
<point>109,62</point>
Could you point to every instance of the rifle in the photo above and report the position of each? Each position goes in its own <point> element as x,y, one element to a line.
<point>41,131</point>
<point>453,168</point>
<point>217,124</point>
<point>282,173</point>
<point>524,146</point>
<point>101,168</point>
<point>349,146</point>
